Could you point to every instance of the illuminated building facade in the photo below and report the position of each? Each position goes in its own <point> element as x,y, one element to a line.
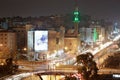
<point>44,42</point>
<point>7,44</point>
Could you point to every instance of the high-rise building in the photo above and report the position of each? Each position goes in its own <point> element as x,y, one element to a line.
<point>7,44</point>
<point>21,34</point>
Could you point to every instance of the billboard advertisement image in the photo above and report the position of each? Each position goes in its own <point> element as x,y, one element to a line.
<point>40,40</point>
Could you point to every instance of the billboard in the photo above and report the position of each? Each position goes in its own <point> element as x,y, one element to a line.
<point>40,40</point>
<point>30,41</point>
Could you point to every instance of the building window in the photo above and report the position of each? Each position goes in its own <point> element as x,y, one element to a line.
<point>5,42</point>
<point>1,34</point>
<point>5,38</point>
<point>5,34</point>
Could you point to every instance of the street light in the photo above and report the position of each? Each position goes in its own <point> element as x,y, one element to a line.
<point>24,49</point>
<point>1,45</point>
<point>65,49</point>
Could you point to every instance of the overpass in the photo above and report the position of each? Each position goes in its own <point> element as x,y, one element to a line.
<point>41,72</point>
<point>56,72</point>
<point>106,50</point>
<point>101,52</point>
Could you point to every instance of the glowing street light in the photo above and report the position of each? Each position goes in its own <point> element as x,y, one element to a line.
<point>1,45</point>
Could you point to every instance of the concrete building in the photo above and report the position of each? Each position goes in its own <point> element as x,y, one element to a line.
<point>7,44</point>
<point>87,34</point>
<point>71,45</point>
<point>55,43</point>
<point>21,34</point>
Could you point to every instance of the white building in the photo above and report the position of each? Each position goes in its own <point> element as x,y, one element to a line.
<point>87,34</point>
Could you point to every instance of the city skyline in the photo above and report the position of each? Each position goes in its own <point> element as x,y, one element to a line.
<point>105,9</point>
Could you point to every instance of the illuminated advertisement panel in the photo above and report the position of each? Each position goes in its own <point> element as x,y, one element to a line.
<point>41,40</point>
<point>30,41</point>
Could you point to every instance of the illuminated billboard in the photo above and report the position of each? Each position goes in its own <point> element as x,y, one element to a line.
<point>40,40</point>
<point>30,41</point>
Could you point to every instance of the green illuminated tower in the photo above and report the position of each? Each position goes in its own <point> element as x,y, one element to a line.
<point>76,18</point>
<point>76,13</point>
<point>95,35</point>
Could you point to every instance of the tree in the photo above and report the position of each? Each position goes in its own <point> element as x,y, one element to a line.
<point>88,68</point>
<point>112,61</point>
<point>70,78</point>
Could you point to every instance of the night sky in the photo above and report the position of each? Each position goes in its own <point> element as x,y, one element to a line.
<point>108,9</point>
